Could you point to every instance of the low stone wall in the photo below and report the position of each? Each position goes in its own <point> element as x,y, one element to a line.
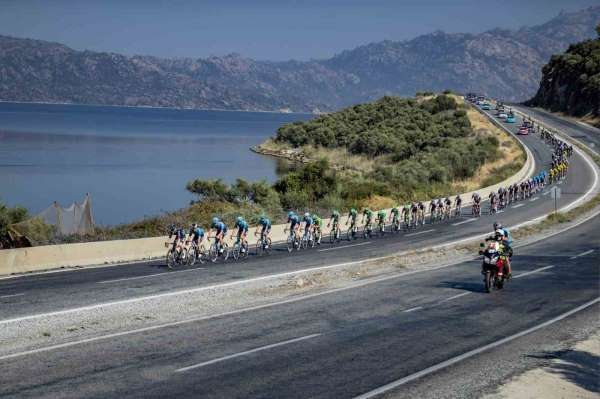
<point>47,257</point>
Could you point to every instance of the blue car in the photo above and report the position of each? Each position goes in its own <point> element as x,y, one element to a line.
<point>511,119</point>
<point>486,107</point>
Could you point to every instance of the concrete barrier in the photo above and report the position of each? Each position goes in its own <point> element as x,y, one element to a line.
<point>47,257</point>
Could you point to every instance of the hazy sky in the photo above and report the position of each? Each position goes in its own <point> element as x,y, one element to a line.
<point>272,30</point>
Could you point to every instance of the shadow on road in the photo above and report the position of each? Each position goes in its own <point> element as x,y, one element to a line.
<point>579,367</point>
<point>464,285</point>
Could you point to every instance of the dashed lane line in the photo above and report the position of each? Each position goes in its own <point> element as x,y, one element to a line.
<point>464,221</point>
<point>517,206</point>
<point>541,269</point>
<point>248,352</point>
<point>534,199</point>
<point>582,254</point>
<point>12,295</point>
<point>412,309</point>
<point>454,297</point>
<point>429,370</point>
<point>419,233</point>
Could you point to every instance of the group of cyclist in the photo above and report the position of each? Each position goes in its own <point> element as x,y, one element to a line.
<point>218,229</point>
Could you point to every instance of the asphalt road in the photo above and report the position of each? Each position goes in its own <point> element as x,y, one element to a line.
<point>587,134</point>
<point>341,344</point>
<point>42,293</point>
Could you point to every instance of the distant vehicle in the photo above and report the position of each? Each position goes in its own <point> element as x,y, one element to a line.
<point>502,115</point>
<point>510,118</point>
<point>486,106</point>
<point>524,131</point>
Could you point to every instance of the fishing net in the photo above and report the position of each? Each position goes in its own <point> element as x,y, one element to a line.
<point>56,220</point>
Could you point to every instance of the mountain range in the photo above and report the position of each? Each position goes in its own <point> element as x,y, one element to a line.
<point>501,63</point>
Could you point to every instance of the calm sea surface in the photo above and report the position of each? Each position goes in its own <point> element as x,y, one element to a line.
<point>134,162</point>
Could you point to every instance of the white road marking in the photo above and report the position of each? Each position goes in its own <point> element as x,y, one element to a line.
<point>216,316</point>
<point>582,254</point>
<point>248,352</point>
<point>502,211</point>
<point>149,275</point>
<point>419,233</point>
<point>412,309</point>
<point>454,297</point>
<point>345,246</point>
<point>534,199</point>
<point>560,182</point>
<point>546,193</point>
<point>541,269</point>
<point>464,221</point>
<point>517,206</point>
<point>471,353</point>
<point>12,295</point>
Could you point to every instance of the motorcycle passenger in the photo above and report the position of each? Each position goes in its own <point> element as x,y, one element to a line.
<point>505,237</point>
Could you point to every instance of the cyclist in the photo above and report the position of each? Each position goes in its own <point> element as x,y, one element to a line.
<point>432,209</point>
<point>308,225</point>
<point>447,206</point>
<point>265,224</point>
<point>352,215</point>
<point>196,235</point>
<point>220,232</point>
<point>242,232</point>
<point>414,208</point>
<point>381,216</point>
<point>493,202</point>
<point>334,222</point>
<point>294,222</point>
<point>317,228</point>
<point>406,214</point>
<point>179,234</point>
<point>368,215</point>
<point>457,204</point>
<point>421,213</point>
<point>476,203</point>
<point>506,239</point>
<point>394,217</point>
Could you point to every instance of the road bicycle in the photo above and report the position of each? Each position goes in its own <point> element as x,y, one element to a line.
<point>293,241</point>
<point>335,235</point>
<point>240,249</point>
<point>196,253</point>
<point>263,246</point>
<point>218,251</point>
<point>176,256</point>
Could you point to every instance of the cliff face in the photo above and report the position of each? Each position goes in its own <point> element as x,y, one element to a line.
<point>571,81</point>
<point>501,63</point>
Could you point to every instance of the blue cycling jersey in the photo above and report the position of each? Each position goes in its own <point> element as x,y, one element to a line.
<point>508,236</point>
<point>309,221</point>
<point>196,233</point>
<point>293,220</point>
<point>265,223</point>
<point>179,233</point>
<point>221,227</point>
<point>242,226</point>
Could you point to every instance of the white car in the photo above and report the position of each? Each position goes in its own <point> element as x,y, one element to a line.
<point>502,115</point>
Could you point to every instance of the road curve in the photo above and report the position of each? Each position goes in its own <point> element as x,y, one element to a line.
<point>37,294</point>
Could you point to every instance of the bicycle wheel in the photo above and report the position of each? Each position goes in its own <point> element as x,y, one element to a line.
<point>259,248</point>
<point>332,237</point>
<point>349,234</point>
<point>291,243</point>
<point>225,251</point>
<point>237,248</point>
<point>192,256</point>
<point>213,253</point>
<point>170,259</point>
<point>267,247</point>
<point>201,255</point>
<point>244,250</point>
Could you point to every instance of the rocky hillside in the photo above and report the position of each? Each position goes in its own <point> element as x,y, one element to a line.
<point>504,64</point>
<point>571,81</point>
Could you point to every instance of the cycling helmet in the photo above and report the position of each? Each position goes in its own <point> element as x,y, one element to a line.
<point>290,214</point>
<point>335,213</point>
<point>262,219</point>
<point>239,219</point>
<point>194,225</point>
<point>497,226</point>
<point>215,220</point>
<point>306,215</point>
<point>352,210</point>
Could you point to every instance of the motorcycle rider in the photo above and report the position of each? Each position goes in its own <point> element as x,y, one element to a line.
<point>505,238</point>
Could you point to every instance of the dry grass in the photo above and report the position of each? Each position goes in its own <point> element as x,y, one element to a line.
<point>511,152</point>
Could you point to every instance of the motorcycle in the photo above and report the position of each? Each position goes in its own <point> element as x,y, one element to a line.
<point>493,266</point>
